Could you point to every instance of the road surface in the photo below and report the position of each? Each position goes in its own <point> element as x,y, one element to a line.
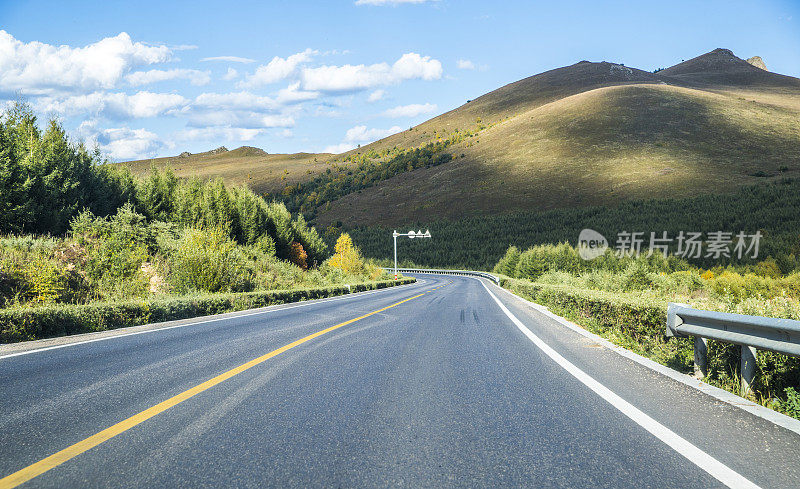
<point>449,382</point>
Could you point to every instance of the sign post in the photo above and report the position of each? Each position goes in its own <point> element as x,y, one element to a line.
<point>411,235</point>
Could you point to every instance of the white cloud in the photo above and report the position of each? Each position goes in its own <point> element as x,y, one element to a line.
<point>292,95</point>
<point>376,95</point>
<point>39,68</point>
<point>465,64</point>
<point>339,148</point>
<point>230,59</point>
<point>388,2</point>
<point>237,118</point>
<point>277,69</point>
<point>114,105</point>
<point>217,134</point>
<point>242,109</point>
<point>360,134</point>
<point>121,143</point>
<point>196,77</point>
<point>235,100</point>
<point>411,110</point>
<point>359,77</point>
<point>231,74</point>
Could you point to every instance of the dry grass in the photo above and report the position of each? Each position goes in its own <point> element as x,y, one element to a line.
<point>264,173</point>
<point>598,147</point>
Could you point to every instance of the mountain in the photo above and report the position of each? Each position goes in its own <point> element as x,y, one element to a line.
<point>592,133</point>
<point>595,134</point>
<point>254,167</point>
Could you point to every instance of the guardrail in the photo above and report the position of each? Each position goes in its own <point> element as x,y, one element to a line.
<point>750,332</point>
<point>465,273</point>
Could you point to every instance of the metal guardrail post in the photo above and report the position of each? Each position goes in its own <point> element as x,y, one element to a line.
<point>748,368</point>
<point>700,357</point>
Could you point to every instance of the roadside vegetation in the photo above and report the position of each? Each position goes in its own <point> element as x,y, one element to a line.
<point>479,242</point>
<point>625,300</point>
<point>77,232</point>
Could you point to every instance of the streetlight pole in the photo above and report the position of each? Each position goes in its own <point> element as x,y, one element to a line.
<point>411,235</point>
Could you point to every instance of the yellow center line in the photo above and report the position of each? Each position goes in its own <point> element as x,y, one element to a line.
<point>73,451</point>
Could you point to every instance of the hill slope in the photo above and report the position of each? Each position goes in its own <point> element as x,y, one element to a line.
<point>598,133</point>
<point>584,134</point>
<point>262,172</point>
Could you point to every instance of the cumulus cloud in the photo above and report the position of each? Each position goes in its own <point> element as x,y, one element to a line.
<point>121,143</point>
<point>37,68</point>
<point>242,109</point>
<point>196,77</point>
<point>339,148</point>
<point>376,95</point>
<point>229,59</point>
<point>360,134</point>
<point>217,134</point>
<point>230,75</point>
<point>237,118</point>
<point>114,105</point>
<point>388,2</point>
<point>277,69</point>
<point>465,64</point>
<point>293,94</point>
<point>348,78</point>
<point>235,100</point>
<point>411,110</point>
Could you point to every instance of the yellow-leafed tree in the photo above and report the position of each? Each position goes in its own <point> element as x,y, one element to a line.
<point>346,257</point>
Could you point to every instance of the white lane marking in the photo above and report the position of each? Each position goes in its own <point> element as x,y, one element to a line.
<point>765,413</point>
<point>277,308</point>
<point>714,467</point>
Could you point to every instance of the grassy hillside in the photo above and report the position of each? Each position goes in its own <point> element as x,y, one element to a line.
<point>598,147</point>
<point>585,134</point>
<point>262,172</point>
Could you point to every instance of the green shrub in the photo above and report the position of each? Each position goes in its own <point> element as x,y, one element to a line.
<point>208,260</point>
<point>792,404</point>
<point>508,264</point>
<point>115,249</point>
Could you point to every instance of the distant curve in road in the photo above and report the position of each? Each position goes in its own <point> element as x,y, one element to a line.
<point>435,384</point>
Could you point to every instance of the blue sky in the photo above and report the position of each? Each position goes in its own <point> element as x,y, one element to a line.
<point>147,78</point>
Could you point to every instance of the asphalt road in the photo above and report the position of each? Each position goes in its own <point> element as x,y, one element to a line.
<point>443,389</point>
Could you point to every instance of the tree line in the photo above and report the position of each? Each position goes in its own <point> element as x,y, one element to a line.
<point>46,180</point>
<point>479,242</point>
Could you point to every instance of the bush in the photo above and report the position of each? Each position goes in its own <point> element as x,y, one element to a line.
<point>31,323</point>
<point>115,250</point>
<point>208,260</point>
<point>508,264</point>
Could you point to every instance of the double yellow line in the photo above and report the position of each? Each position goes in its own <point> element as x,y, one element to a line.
<point>73,451</point>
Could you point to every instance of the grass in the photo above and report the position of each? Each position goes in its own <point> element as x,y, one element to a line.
<point>599,147</point>
<point>262,172</point>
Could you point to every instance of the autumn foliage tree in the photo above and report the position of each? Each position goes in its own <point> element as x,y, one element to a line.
<point>298,255</point>
<point>346,256</point>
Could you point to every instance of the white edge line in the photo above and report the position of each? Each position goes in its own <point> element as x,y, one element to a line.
<point>273,308</point>
<point>758,410</point>
<point>714,467</point>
